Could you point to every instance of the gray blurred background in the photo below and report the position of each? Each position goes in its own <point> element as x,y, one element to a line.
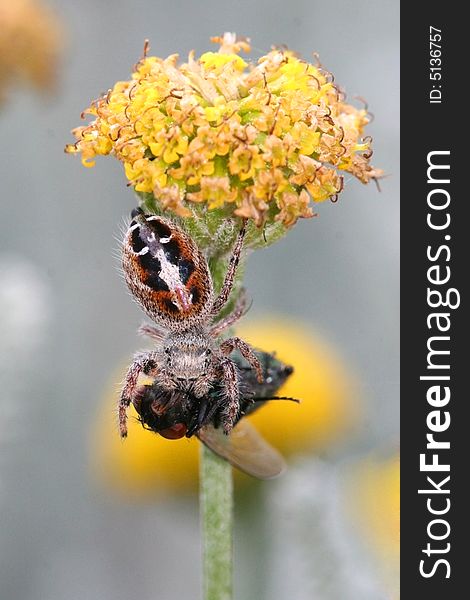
<point>70,320</point>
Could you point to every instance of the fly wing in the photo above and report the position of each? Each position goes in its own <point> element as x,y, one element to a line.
<point>245,449</point>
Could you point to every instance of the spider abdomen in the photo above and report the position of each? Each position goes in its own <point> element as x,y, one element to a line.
<point>166,272</point>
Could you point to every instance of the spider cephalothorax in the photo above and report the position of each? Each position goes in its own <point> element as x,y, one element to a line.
<point>169,277</point>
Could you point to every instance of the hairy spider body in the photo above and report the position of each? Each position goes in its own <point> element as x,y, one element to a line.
<point>169,277</point>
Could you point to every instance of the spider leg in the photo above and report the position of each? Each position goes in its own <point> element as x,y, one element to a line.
<point>143,363</point>
<point>230,274</point>
<point>238,312</point>
<point>231,397</point>
<point>151,331</point>
<point>246,351</point>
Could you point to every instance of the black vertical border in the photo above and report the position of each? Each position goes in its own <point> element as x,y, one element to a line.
<point>427,127</point>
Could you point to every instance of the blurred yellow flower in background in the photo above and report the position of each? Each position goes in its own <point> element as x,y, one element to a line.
<point>373,497</point>
<point>30,44</point>
<point>146,463</point>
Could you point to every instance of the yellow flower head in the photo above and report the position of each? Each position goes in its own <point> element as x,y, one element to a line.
<point>257,140</point>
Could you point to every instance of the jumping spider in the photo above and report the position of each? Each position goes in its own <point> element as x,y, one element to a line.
<point>169,277</point>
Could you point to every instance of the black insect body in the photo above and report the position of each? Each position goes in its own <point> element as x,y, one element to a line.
<point>160,410</point>
<point>181,414</point>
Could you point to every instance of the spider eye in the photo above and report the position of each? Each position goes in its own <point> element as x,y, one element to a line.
<point>208,352</point>
<point>167,351</point>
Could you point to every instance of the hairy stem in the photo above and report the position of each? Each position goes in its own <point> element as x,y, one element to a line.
<point>216,506</point>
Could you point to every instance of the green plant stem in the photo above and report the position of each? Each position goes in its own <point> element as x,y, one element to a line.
<point>216,506</point>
